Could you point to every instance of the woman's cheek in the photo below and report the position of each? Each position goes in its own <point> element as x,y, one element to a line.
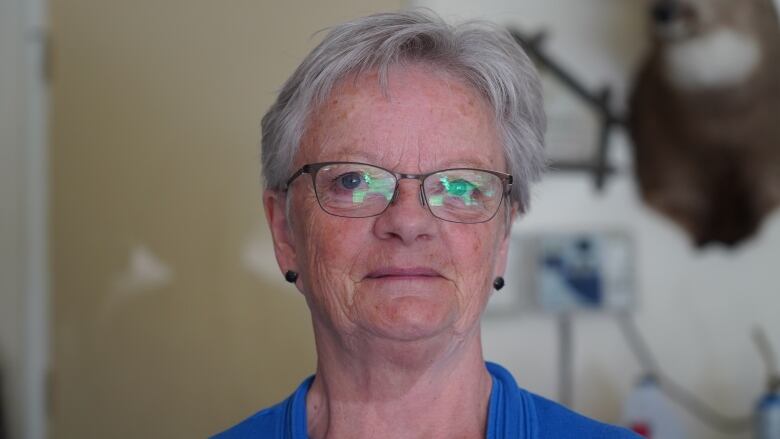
<point>330,253</point>
<point>477,261</point>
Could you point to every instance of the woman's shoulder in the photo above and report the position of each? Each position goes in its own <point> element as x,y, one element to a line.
<point>283,420</point>
<point>548,419</point>
<point>262,424</point>
<point>555,420</point>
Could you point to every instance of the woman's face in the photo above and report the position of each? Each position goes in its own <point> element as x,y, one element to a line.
<point>402,275</point>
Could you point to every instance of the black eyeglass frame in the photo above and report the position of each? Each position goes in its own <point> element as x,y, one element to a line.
<point>313,168</point>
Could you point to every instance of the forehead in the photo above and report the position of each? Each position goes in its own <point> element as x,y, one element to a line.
<point>424,120</point>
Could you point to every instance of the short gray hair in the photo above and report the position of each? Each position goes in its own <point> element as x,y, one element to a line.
<point>481,54</point>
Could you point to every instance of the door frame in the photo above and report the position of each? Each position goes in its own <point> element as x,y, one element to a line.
<point>24,77</point>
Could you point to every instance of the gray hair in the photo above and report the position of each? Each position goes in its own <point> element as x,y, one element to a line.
<point>481,54</point>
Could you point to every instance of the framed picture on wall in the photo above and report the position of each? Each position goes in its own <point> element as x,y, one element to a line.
<point>584,271</point>
<point>566,272</point>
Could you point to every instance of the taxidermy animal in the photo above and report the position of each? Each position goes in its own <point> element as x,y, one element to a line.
<point>705,116</point>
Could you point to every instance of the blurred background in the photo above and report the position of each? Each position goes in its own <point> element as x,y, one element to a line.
<point>139,295</point>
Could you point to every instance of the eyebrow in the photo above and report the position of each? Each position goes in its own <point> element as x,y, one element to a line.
<point>467,164</point>
<point>370,158</point>
<point>354,156</point>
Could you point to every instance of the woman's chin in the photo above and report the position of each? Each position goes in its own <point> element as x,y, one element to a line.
<point>409,317</point>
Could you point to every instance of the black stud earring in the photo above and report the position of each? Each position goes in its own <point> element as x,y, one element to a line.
<point>498,283</point>
<point>291,276</point>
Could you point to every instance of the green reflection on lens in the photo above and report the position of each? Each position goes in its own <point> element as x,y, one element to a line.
<point>358,196</point>
<point>459,188</point>
<point>382,186</point>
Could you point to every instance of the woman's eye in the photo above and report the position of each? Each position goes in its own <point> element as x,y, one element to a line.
<point>350,180</point>
<point>459,188</point>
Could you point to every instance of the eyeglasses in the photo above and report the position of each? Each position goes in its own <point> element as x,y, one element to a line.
<point>360,190</point>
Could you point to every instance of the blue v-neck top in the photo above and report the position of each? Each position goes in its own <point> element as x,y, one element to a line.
<point>513,413</point>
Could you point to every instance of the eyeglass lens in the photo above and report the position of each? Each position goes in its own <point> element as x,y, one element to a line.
<point>359,190</point>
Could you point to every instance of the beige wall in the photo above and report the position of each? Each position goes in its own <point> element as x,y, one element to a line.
<point>155,115</point>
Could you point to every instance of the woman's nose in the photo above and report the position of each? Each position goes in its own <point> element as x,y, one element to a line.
<point>420,195</point>
<point>407,218</point>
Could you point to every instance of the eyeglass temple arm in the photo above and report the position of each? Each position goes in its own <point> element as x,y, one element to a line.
<point>304,170</point>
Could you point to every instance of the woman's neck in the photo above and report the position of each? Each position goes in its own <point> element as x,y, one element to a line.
<point>390,389</point>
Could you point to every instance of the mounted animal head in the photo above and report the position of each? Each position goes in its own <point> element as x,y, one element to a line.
<point>713,43</point>
<point>677,20</point>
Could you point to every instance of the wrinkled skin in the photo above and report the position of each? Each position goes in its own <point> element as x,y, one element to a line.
<point>430,122</point>
<point>398,356</point>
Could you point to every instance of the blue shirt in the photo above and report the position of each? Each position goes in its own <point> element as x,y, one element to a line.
<point>513,413</point>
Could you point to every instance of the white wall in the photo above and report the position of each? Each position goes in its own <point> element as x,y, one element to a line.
<point>696,308</point>
<point>23,280</point>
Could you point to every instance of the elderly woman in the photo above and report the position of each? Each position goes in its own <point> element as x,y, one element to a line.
<point>396,158</point>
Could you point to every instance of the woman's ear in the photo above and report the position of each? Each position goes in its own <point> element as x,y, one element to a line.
<point>503,250</point>
<point>274,203</point>
<point>513,212</point>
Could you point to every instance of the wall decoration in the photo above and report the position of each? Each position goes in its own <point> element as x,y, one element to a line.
<point>568,272</point>
<point>584,271</point>
<point>588,116</point>
<point>705,117</point>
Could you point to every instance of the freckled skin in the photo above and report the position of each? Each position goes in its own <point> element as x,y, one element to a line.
<point>386,347</point>
<point>427,124</point>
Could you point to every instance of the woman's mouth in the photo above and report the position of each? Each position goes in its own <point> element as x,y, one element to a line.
<point>403,273</point>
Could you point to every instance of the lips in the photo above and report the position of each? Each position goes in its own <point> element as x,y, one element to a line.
<point>403,273</point>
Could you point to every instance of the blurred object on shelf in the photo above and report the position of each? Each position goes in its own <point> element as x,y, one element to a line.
<point>768,409</point>
<point>704,117</point>
<point>655,381</point>
<point>768,417</point>
<point>648,412</point>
